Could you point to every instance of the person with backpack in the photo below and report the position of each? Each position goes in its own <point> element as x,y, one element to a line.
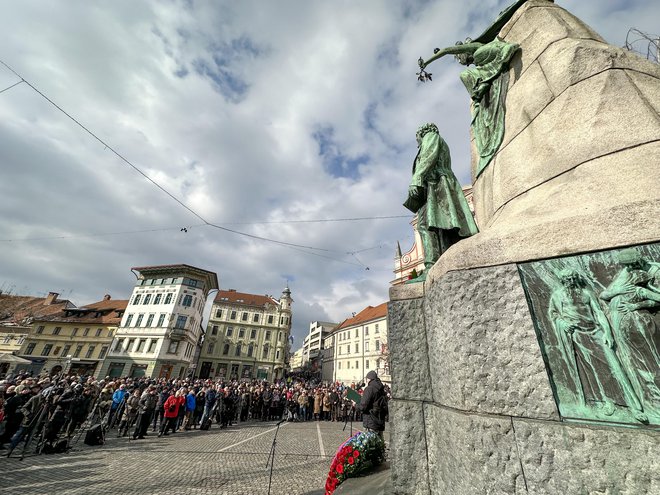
<point>373,404</point>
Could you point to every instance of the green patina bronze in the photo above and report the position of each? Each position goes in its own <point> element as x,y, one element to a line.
<point>486,82</point>
<point>443,215</point>
<point>597,318</point>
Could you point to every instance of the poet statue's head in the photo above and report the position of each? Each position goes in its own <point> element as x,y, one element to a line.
<point>423,130</point>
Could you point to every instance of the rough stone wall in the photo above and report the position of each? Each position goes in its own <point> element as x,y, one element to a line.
<point>477,414</point>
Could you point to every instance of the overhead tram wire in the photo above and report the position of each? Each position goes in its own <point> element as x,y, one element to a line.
<point>172,196</point>
<point>99,234</point>
<point>138,170</point>
<point>9,87</point>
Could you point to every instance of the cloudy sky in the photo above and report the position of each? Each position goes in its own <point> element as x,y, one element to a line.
<point>260,116</point>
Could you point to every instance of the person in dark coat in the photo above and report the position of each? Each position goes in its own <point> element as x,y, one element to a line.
<point>373,405</point>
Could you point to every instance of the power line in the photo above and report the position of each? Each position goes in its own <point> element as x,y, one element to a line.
<point>100,234</point>
<point>9,87</point>
<point>295,246</point>
<point>321,220</point>
<point>137,169</point>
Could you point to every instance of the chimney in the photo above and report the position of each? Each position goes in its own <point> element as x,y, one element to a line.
<point>107,297</point>
<point>50,298</point>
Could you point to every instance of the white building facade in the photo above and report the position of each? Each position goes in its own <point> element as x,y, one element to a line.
<point>315,340</point>
<point>161,327</point>
<point>357,346</point>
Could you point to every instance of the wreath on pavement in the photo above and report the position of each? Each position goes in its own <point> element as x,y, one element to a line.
<point>357,455</point>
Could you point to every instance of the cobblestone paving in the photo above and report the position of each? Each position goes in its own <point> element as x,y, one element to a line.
<point>219,462</point>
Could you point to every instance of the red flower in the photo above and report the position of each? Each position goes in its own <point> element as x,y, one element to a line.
<point>350,460</point>
<point>340,468</point>
<point>356,453</point>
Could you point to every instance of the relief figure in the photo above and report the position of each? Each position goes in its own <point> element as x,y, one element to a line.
<point>634,299</point>
<point>586,344</point>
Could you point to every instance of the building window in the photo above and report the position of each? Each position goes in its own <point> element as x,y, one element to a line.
<point>366,347</point>
<point>78,351</point>
<point>161,320</point>
<point>230,331</point>
<point>118,345</point>
<point>150,319</point>
<point>40,329</point>
<point>89,352</point>
<point>378,345</point>
<point>277,354</point>
<point>131,343</point>
<point>279,336</point>
<point>66,350</point>
<point>57,330</point>
<point>181,321</point>
<point>173,347</point>
<point>152,345</point>
<point>241,333</point>
<point>187,300</point>
<point>244,317</point>
<point>250,350</point>
<point>238,350</point>
<point>366,331</point>
<point>168,298</point>
<point>75,330</point>
<point>211,347</point>
<point>136,299</point>
<point>356,331</point>
<point>138,322</point>
<point>340,350</point>
<point>147,299</point>
<point>104,351</point>
<point>158,297</point>
<point>30,348</point>
<point>98,332</point>
<point>21,339</point>
<point>357,348</point>
<point>232,315</point>
<point>86,332</point>
<point>141,344</point>
<point>270,319</point>
<point>225,349</point>
<point>129,319</point>
<point>268,334</point>
<point>255,318</point>
<point>357,364</point>
<point>376,328</point>
<point>265,353</point>
<point>47,349</point>
<point>218,313</point>
<point>339,365</point>
<point>253,333</point>
<point>366,364</point>
<point>214,330</point>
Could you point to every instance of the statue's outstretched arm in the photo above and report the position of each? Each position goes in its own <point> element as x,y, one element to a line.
<point>451,50</point>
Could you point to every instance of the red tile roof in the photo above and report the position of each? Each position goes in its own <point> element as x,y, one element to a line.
<point>231,296</point>
<point>15,309</point>
<point>367,314</point>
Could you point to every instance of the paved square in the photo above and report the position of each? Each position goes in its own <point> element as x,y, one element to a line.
<point>215,462</point>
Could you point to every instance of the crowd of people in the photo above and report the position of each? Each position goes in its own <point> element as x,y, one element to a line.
<point>52,409</point>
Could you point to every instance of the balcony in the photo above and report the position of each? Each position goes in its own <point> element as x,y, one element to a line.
<point>176,333</point>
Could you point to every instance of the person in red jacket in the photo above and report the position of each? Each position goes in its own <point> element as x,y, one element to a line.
<point>171,408</point>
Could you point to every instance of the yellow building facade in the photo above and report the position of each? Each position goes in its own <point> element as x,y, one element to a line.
<point>247,337</point>
<point>74,340</point>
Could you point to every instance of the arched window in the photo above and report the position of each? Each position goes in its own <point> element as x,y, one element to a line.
<point>238,349</point>
<point>250,350</point>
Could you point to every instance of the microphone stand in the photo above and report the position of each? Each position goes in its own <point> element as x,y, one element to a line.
<point>272,454</point>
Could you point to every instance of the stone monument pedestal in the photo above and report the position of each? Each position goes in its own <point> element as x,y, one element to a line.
<point>493,392</point>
